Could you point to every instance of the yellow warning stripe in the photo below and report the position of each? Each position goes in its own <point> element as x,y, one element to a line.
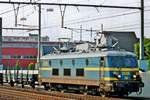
<point>109,79</point>
<point>101,69</point>
<point>111,69</point>
<point>45,68</point>
<point>92,69</point>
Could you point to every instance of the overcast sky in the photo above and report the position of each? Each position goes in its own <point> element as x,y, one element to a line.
<point>112,19</point>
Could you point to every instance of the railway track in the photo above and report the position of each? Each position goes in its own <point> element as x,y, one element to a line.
<point>13,93</point>
<point>8,93</point>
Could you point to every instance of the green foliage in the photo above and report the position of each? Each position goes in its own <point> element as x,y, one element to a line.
<point>149,64</point>
<point>136,49</point>
<point>17,67</point>
<point>146,49</point>
<point>31,66</point>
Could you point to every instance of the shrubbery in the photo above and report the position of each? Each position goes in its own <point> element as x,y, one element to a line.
<point>146,50</point>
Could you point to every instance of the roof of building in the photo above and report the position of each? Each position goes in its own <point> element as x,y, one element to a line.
<point>126,39</point>
<point>122,33</point>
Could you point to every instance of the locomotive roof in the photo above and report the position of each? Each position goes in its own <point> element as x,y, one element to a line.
<point>89,54</point>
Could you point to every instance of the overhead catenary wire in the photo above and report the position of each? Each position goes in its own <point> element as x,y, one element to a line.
<point>128,25</point>
<point>134,27</point>
<point>8,11</point>
<point>91,20</point>
<point>95,19</point>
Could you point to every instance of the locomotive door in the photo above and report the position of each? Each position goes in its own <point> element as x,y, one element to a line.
<point>102,67</point>
<point>102,75</point>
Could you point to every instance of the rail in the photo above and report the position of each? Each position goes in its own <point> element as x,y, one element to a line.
<point>14,93</point>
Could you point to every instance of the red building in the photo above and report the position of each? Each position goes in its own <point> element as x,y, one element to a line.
<point>25,56</point>
<point>24,50</point>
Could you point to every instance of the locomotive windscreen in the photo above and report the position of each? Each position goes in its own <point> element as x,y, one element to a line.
<point>122,61</point>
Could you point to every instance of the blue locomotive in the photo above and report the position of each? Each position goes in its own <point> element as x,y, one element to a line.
<point>107,72</point>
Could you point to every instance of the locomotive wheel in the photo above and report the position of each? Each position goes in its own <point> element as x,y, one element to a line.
<point>103,95</point>
<point>122,94</point>
<point>22,84</point>
<point>85,91</point>
<point>46,86</point>
<point>33,85</point>
<point>102,90</point>
<point>11,83</point>
<point>62,91</point>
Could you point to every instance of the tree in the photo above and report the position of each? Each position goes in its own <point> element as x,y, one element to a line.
<point>17,68</point>
<point>31,66</point>
<point>146,49</point>
<point>136,49</point>
<point>149,64</point>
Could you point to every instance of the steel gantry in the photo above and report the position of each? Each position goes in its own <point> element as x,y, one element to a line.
<point>39,4</point>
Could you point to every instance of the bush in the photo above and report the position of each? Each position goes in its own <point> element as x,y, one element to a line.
<point>149,64</point>
<point>31,66</point>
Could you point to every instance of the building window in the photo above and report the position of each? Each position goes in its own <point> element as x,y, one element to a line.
<point>67,72</point>
<point>15,57</point>
<point>19,57</point>
<point>29,57</point>
<point>55,72</point>
<point>80,72</point>
<point>34,57</point>
<point>5,56</point>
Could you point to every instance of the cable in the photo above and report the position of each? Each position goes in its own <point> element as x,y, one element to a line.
<point>85,21</point>
<point>80,19</point>
<point>99,18</point>
<point>130,25</point>
<point>134,28</point>
<point>13,9</point>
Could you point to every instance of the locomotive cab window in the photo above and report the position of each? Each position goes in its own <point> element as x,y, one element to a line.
<point>67,72</point>
<point>55,72</point>
<point>80,72</point>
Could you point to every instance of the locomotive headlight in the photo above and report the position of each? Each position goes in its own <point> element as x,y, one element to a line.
<point>134,76</point>
<point>119,76</point>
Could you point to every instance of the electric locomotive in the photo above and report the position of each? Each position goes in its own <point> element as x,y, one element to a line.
<point>97,71</point>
